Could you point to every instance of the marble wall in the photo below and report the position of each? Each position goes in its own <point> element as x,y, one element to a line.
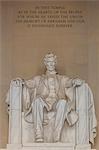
<point>22,50</point>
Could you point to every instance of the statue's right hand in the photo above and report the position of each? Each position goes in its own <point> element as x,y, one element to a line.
<point>18,81</point>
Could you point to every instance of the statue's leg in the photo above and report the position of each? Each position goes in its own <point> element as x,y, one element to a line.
<point>60,117</point>
<point>38,113</point>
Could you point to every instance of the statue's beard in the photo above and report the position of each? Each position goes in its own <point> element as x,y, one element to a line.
<point>51,71</point>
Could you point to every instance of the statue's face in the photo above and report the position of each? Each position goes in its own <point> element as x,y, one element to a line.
<point>50,65</point>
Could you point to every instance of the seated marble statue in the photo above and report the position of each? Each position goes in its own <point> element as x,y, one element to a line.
<point>51,108</point>
<point>48,93</point>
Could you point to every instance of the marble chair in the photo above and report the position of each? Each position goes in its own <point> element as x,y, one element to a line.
<point>79,135</point>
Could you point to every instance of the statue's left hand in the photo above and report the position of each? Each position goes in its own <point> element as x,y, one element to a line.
<point>77,82</point>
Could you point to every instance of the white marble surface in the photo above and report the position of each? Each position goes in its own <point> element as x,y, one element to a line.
<point>48,146</point>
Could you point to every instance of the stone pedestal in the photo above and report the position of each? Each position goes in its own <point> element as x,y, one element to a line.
<point>47,146</point>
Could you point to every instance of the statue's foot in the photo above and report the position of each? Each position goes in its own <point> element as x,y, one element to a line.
<point>57,140</point>
<point>40,140</point>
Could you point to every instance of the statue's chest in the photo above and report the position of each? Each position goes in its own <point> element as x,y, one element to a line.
<point>51,83</point>
<point>50,86</point>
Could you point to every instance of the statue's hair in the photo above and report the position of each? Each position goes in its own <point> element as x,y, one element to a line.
<point>50,55</point>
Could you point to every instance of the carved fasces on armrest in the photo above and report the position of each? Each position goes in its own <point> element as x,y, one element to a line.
<point>14,100</point>
<point>14,83</point>
<point>18,82</point>
<point>7,101</point>
<point>86,125</point>
<point>14,94</point>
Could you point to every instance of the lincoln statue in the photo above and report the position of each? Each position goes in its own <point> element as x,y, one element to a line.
<point>49,94</point>
<point>62,102</point>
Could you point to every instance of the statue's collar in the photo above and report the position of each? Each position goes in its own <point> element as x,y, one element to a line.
<point>49,73</point>
<point>53,75</point>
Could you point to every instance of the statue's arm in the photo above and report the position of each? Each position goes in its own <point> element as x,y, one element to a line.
<point>28,92</point>
<point>30,83</point>
<point>27,87</point>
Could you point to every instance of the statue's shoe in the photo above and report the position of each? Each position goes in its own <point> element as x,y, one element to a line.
<point>39,140</point>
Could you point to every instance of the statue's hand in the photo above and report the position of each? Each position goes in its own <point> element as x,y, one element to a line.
<point>18,82</point>
<point>77,82</point>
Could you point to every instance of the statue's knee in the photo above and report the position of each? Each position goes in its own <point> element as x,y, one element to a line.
<point>37,101</point>
<point>62,102</point>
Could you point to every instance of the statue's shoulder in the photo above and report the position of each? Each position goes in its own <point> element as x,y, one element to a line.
<point>37,78</point>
